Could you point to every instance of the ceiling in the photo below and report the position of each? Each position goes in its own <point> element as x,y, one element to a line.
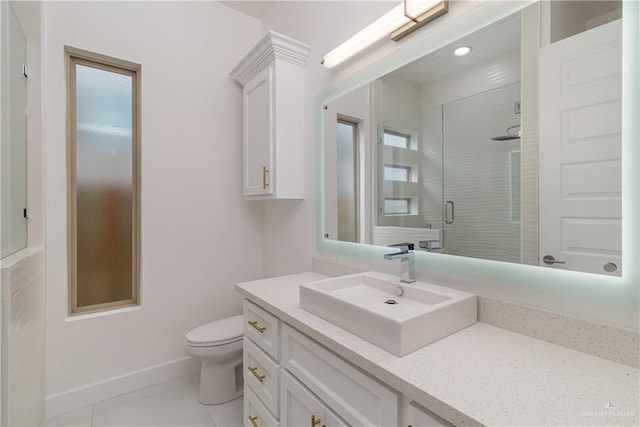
<point>257,9</point>
<point>498,38</point>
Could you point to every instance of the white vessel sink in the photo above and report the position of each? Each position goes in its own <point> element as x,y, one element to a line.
<point>368,305</point>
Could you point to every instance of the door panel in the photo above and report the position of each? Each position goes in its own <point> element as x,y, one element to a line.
<point>580,151</point>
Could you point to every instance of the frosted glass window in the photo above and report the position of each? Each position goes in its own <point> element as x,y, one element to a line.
<point>347,145</point>
<point>394,139</point>
<point>103,185</point>
<point>396,173</point>
<point>394,206</point>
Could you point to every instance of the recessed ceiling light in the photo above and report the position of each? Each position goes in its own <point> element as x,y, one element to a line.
<point>462,51</point>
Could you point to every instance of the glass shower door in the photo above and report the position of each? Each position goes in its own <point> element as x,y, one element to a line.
<point>14,135</point>
<point>481,184</point>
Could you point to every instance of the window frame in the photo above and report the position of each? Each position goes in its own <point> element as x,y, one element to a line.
<point>73,57</point>
<point>409,201</point>
<point>402,157</point>
<point>398,134</point>
<point>355,126</point>
<point>408,170</point>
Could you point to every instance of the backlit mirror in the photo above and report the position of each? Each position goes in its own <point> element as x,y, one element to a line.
<point>510,152</point>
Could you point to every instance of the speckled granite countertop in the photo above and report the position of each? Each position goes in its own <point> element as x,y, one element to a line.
<point>480,375</point>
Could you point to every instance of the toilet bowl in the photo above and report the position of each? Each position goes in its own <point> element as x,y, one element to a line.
<point>219,345</point>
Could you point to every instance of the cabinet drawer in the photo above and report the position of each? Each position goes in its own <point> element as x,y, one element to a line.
<point>263,328</point>
<point>352,394</point>
<point>262,375</point>
<point>255,411</point>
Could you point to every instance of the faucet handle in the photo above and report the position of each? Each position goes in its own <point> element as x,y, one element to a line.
<point>403,247</point>
<point>428,244</point>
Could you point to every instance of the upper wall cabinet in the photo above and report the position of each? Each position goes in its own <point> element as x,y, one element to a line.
<point>272,75</point>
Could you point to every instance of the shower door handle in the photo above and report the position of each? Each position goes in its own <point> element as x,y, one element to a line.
<point>449,214</point>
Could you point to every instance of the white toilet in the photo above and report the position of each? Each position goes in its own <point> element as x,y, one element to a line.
<point>219,345</point>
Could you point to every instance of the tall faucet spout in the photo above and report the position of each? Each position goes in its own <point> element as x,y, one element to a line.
<point>395,255</point>
<point>407,262</point>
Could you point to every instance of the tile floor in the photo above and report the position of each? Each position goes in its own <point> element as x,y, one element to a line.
<point>171,404</point>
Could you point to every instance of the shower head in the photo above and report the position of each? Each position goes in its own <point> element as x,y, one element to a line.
<point>508,136</point>
<point>505,137</point>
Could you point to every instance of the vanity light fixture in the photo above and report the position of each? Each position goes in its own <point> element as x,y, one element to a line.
<point>399,22</point>
<point>462,51</point>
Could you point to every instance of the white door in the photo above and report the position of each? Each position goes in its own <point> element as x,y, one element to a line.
<point>258,134</point>
<point>580,151</point>
<point>301,408</point>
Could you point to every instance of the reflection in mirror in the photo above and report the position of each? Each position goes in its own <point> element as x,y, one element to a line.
<point>13,137</point>
<point>511,152</point>
<point>346,139</point>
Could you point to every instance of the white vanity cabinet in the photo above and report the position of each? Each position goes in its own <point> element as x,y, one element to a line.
<point>291,380</point>
<point>353,395</point>
<point>261,367</point>
<point>272,75</point>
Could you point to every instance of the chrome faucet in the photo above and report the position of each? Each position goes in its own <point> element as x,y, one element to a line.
<point>407,262</point>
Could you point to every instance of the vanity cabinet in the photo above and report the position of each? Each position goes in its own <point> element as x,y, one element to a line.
<point>291,380</point>
<point>353,395</point>
<point>272,76</point>
<point>261,367</point>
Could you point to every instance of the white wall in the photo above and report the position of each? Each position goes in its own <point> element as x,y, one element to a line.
<point>290,226</point>
<point>493,73</point>
<point>199,237</point>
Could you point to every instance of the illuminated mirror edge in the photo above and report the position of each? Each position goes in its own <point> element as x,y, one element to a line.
<point>612,292</point>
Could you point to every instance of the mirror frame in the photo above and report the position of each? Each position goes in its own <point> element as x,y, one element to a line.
<point>620,293</point>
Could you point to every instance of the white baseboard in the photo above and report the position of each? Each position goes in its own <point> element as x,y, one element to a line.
<point>91,394</point>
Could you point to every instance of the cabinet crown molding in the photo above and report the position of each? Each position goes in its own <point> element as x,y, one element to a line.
<point>273,46</point>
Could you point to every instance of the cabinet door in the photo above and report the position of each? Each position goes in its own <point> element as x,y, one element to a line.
<point>258,134</point>
<point>301,408</point>
<point>420,417</point>
<point>352,394</point>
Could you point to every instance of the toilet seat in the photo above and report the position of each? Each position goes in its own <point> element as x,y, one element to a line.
<point>217,333</point>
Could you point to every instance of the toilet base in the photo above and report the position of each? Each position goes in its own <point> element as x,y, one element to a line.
<point>219,383</point>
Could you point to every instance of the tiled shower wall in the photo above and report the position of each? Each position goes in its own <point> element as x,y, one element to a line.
<point>24,294</point>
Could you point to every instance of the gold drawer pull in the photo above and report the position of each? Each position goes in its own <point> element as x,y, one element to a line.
<point>254,371</point>
<point>252,420</point>
<point>258,328</point>
<point>314,421</point>
<point>265,171</point>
